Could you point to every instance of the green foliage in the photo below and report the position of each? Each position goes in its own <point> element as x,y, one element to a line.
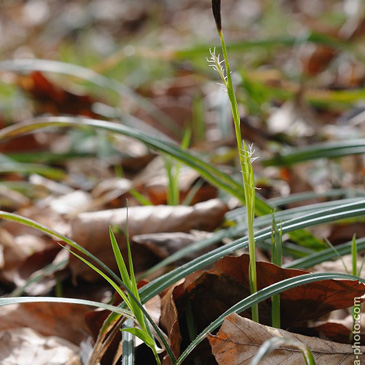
<point>276,258</point>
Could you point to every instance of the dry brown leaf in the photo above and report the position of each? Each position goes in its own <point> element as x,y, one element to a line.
<point>16,250</point>
<point>91,230</point>
<point>227,282</point>
<point>11,254</point>
<point>239,338</point>
<point>71,203</point>
<point>165,244</point>
<point>170,323</point>
<point>338,265</point>
<point>49,319</point>
<point>52,99</point>
<point>11,199</point>
<point>109,190</point>
<point>154,181</point>
<point>211,292</point>
<point>338,326</point>
<point>36,265</point>
<point>24,346</point>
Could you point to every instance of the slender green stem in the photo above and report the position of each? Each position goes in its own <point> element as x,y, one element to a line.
<point>232,99</point>
<point>245,163</point>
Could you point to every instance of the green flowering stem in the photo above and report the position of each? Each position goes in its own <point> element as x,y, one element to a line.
<point>245,155</point>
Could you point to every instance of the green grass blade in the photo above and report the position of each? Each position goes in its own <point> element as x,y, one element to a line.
<point>133,283</point>
<point>128,344</point>
<point>127,280</point>
<point>313,219</point>
<point>260,296</point>
<point>143,200</point>
<point>330,245</point>
<point>325,255</point>
<point>30,223</point>
<point>314,152</point>
<point>192,192</point>
<point>30,168</point>
<point>276,259</point>
<point>50,232</point>
<point>142,335</point>
<point>146,339</point>
<point>40,275</point>
<point>132,304</point>
<point>171,196</point>
<point>20,300</point>
<point>107,278</point>
<point>119,259</point>
<point>332,193</point>
<point>354,255</point>
<point>240,229</point>
<point>289,41</point>
<point>29,65</point>
<point>47,156</point>
<point>206,170</point>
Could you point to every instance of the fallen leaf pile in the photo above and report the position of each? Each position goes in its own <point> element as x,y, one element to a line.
<point>139,68</point>
<point>220,287</point>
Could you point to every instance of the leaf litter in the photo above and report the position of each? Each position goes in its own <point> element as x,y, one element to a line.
<point>308,92</point>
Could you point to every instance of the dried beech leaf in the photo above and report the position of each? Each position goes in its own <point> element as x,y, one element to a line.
<point>170,323</point>
<point>71,203</point>
<point>339,265</point>
<point>165,244</point>
<point>25,346</point>
<point>239,339</point>
<point>91,229</point>
<point>49,319</point>
<point>226,283</point>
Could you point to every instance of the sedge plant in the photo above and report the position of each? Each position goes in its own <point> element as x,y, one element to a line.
<point>245,153</point>
<point>132,298</point>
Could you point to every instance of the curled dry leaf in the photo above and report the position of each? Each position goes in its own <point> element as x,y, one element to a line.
<point>23,346</point>
<point>239,338</point>
<point>91,229</point>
